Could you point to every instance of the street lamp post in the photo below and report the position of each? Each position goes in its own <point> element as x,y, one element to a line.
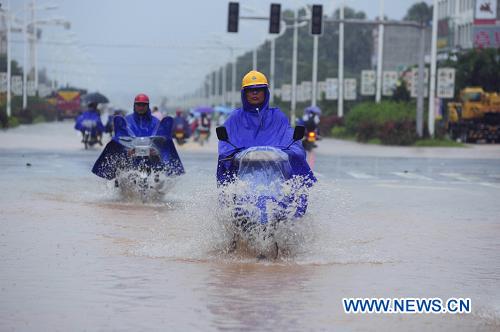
<point>340,104</point>
<point>378,95</point>
<point>314,70</point>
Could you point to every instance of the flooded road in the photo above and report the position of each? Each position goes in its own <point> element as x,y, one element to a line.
<point>76,256</point>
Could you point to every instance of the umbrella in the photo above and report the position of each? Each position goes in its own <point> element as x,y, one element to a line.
<point>95,97</point>
<point>223,109</point>
<point>204,109</point>
<point>313,109</point>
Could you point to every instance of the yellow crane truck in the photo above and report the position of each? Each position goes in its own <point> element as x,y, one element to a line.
<point>475,117</point>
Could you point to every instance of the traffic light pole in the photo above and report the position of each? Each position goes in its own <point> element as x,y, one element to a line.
<point>294,69</point>
<point>271,69</point>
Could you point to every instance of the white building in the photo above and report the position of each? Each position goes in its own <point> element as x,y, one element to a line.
<point>456,22</point>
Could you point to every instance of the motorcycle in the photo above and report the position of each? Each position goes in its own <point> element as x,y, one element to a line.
<point>203,133</point>
<point>90,135</point>
<point>309,141</point>
<point>140,166</point>
<point>264,197</point>
<point>141,173</point>
<point>179,134</point>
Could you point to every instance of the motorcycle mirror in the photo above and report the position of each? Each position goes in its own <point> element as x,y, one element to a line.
<point>298,133</point>
<point>222,133</point>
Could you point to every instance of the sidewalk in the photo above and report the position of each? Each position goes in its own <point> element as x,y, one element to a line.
<point>336,147</point>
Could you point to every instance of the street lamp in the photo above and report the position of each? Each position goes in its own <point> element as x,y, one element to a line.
<point>25,26</point>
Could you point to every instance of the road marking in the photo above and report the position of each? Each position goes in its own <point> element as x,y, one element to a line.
<point>412,176</point>
<point>400,186</point>
<point>491,185</point>
<point>458,176</point>
<point>359,175</point>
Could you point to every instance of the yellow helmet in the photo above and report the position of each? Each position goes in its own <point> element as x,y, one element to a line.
<point>254,78</point>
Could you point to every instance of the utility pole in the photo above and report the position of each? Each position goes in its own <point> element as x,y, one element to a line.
<point>254,59</point>
<point>420,84</point>
<point>433,68</point>
<point>294,68</point>
<point>224,87</point>
<point>380,53</point>
<point>25,58</point>
<point>9,71</point>
<point>314,70</point>
<point>340,104</point>
<point>233,83</point>
<point>271,70</point>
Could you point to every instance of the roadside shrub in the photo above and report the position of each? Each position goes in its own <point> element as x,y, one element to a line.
<point>328,122</point>
<point>391,122</point>
<point>13,122</point>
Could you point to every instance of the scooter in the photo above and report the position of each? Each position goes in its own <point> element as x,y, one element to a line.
<point>179,134</point>
<point>140,166</point>
<point>89,132</point>
<point>203,133</point>
<point>141,173</point>
<point>309,141</point>
<point>263,199</point>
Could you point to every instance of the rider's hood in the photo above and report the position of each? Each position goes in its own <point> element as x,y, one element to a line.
<point>252,108</point>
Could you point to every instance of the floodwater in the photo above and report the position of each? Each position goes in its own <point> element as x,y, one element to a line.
<point>76,256</point>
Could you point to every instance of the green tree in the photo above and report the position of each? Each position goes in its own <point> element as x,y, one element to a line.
<point>476,67</point>
<point>15,68</point>
<point>419,12</point>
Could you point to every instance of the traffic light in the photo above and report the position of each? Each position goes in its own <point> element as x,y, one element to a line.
<point>275,18</point>
<point>317,20</point>
<point>233,16</point>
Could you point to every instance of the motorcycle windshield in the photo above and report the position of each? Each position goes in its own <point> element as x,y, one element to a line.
<point>263,165</point>
<point>89,124</point>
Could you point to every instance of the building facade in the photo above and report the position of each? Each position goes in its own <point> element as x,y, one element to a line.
<point>462,23</point>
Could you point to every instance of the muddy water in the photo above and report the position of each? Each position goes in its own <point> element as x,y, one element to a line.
<point>76,256</point>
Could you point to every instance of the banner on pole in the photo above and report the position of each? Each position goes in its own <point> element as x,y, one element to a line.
<point>414,83</point>
<point>332,88</point>
<point>30,88</point>
<point>350,89</point>
<point>307,90</point>
<point>368,82</point>
<point>17,85</point>
<point>446,82</point>
<point>286,92</point>
<point>389,81</point>
<point>3,82</point>
<point>321,90</point>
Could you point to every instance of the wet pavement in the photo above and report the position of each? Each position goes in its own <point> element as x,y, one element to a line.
<point>77,256</point>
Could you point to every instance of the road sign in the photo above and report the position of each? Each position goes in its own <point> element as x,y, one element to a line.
<point>350,89</point>
<point>389,81</point>
<point>446,82</point>
<point>368,82</point>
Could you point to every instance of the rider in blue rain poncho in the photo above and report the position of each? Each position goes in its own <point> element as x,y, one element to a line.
<point>141,123</point>
<point>91,115</point>
<point>257,124</point>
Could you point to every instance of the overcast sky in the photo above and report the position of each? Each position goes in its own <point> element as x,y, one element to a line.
<point>160,47</point>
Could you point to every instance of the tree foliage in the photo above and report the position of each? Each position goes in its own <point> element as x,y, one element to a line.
<point>420,12</point>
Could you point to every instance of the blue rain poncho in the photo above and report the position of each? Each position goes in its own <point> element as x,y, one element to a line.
<point>92,116</point>
<point>260,126</point>
<point>135,125</point>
